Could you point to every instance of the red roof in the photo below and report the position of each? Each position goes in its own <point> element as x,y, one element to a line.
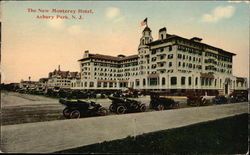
<point>64,74</point>
<point>111,58</point>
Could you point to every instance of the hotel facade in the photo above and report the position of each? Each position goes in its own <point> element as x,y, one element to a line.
<point>171,63</point>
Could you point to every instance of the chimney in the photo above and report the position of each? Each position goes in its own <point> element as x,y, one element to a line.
<point>162,33</point>
<point>86,54</point>
<point>196,39</point>
<point>59,68</point>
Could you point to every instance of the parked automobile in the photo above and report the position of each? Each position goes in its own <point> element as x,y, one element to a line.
<point>162,103</point>
<point>220,100</point>
<point>196,99</point>
<point>239,96</point>
<point>76,108</point>
<point>125,105</point>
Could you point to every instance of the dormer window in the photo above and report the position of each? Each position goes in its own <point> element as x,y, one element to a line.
<point>161,36</point>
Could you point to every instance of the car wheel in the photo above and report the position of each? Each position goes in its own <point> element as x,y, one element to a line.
<point>142,108</point>
<point>66,112</point>
<point>75,114</point>
<point>103,111</point>
<point>112,108</point>
<point>160,107</point>
<point>121,110</point>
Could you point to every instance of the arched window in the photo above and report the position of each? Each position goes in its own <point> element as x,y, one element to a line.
<point>173,80</point>
<point>182,80</point>
<point>163,81</point>
<point>144,82</point>
<point>189,80</point>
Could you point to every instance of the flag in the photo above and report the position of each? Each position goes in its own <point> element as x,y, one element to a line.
<point>144,22</point>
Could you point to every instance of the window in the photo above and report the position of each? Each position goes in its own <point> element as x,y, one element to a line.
<point>179,64</point>
<point>182,80</point>
<point>85,84</point>
<point>144,82</point>
<point>173,80</point>
<point>163,81</point>
<point>170,48</point>
<point>105,84</point>
<point>137,82</point>
<point>189,81</point>
<point>99,84</point>
<point>202,81</point>
<point>110,84</point>
<point>153,81</point>
<point>91,84</point>
<point>196,81</point>
<point>170,56</point>
<point>170,64</point>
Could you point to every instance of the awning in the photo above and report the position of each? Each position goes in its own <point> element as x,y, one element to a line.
<point>238,79</point>
<point>153,75</point>
<point>207,75</point>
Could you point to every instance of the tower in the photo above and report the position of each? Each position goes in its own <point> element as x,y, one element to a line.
<point>143,50</point>
<point>146,37</point>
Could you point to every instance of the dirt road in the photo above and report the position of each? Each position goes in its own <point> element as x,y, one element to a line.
<point>19,108</point>
<point>22,108</point>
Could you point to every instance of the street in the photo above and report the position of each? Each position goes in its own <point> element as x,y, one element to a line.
<point>24,108</point>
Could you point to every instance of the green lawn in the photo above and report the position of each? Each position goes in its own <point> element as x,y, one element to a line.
<point>224,136</point>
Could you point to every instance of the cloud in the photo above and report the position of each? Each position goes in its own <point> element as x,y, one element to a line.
<point>112,12</point>
<point>219,13</point>
<point>75,30</point>
<point>56,23</point>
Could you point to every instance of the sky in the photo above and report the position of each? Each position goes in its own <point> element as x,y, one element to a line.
<point>34,47</point>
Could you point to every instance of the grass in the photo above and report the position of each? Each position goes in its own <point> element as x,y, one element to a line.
<point>224,136</point>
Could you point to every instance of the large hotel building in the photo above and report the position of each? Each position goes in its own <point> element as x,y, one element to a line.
<point>171,63</point>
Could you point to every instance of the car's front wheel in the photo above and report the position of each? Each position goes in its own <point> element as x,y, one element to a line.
<point>121,109</point>
<point>160,107</point>
<point>75,114</point>
<point>66,112</point>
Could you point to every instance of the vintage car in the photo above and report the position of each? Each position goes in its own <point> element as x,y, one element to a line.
<point>220,100</point>
<point>76,108</point>
<point>197,99</point>
<point>239,96</point>
<point>158,102</point>
<point>125,105</point>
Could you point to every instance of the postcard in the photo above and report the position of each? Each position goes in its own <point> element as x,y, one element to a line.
<point>124,76</point>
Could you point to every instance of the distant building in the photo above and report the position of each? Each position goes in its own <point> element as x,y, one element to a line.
<point>61,79</point>
<point>28,84</point>
<point>42,84</point>
<point>170,63</point>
